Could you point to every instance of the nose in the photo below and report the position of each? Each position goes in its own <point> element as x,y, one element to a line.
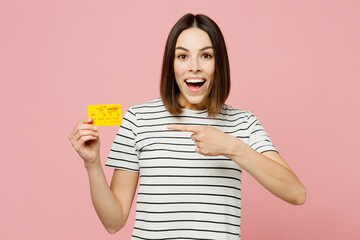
<point>194,65</point>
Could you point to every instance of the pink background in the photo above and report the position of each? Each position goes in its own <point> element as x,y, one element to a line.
<point>294,64</point>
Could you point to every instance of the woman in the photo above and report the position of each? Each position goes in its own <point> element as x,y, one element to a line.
<point>188,148</point>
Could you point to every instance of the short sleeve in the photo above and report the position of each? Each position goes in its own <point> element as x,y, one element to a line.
<point>123,153</point>
<point>259,140</point>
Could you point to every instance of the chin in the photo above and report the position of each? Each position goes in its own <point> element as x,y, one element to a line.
<point>195,99</point>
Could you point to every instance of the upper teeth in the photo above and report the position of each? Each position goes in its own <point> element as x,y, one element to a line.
<point>195,80</point>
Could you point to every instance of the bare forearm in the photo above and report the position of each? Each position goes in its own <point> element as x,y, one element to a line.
<point>274,174</point>
<point>107,207</point>
<point>278,179</point>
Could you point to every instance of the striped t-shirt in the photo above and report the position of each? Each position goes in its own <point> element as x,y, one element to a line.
<point>183,194</point>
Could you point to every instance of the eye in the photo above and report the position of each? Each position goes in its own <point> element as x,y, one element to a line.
<point>206,55</point>
<point>182,56</point>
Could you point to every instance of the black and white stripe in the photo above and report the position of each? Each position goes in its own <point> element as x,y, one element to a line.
<point>182,194</point>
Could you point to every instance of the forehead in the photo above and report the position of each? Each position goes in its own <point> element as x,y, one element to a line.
<point>193,38</point>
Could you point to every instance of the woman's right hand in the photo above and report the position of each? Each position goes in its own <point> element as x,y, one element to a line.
<point>85,140</point>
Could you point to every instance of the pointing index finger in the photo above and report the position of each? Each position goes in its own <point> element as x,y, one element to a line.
<point>185,128</point>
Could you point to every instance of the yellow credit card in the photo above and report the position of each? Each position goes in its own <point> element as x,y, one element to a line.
<point>105,115</point>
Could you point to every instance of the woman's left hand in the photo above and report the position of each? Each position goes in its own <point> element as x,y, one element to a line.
<point>208,140</point>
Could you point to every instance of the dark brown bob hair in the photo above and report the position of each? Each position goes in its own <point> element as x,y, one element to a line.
<point>169,89</point>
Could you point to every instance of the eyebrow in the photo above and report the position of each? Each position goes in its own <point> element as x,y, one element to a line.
<point>182,48</point>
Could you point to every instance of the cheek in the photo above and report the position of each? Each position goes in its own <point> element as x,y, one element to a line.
<point>179,69</point>
<point>178,77</point>
<point>210,69</point>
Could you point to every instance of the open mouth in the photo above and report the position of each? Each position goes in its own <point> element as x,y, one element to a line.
<point>195,83</point>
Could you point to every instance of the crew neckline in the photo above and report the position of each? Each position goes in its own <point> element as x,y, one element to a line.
<point>194,111</point>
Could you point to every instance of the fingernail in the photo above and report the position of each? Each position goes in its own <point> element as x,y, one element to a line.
<point>89,119</point>
<point>95,127</point>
